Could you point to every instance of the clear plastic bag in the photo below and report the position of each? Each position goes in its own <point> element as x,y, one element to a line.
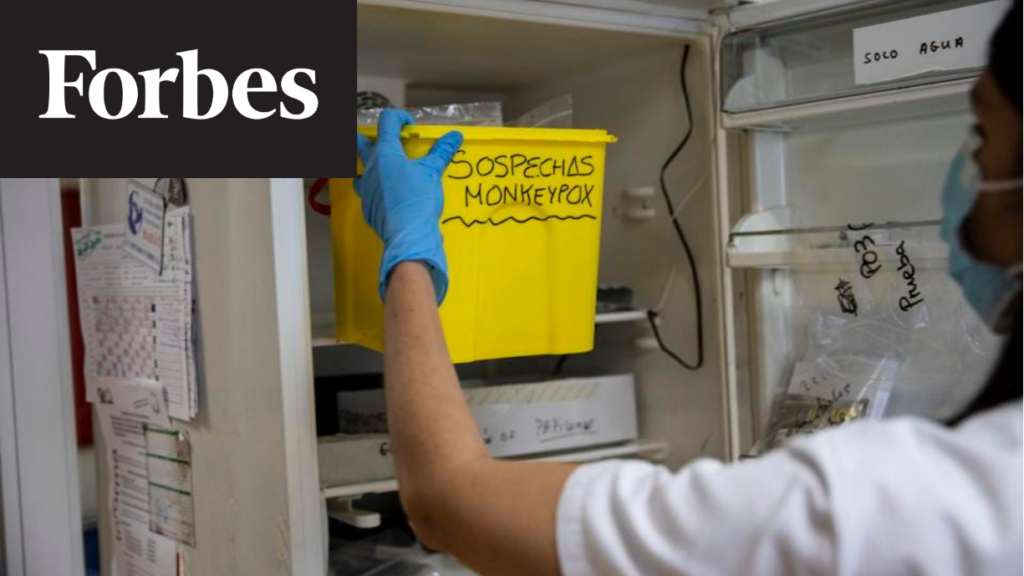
<point>886,326</point>
<point>794,416</point>
<point>847,378</point>
<point>555,113</point>
<point>829,389</point>
<point>472,114</point>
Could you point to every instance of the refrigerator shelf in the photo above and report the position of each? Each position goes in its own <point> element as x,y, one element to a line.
<point>652,450</point>
<point>623,317</point>
<point>828,247</point>
<point>895,104</point>
<point>323,337</point>
<point>323,334</point>
<point>930,256</point>
<point>817,59</point>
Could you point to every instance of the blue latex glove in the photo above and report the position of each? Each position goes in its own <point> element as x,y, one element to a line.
<point>403,199</point>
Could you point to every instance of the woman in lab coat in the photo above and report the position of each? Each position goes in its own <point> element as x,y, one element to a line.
<point>902,496</point>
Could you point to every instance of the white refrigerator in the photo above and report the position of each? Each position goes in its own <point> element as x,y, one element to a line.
<point>809,192</point>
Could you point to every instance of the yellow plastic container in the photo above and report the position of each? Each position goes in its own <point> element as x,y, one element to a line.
<point>521,227</point>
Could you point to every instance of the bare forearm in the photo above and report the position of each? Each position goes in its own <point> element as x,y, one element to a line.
<point>497,517</point>
<point>430,425</point>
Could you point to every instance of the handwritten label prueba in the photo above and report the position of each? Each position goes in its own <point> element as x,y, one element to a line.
<point>914,296</point>
<point>943,41</point>
<point>534,188</point>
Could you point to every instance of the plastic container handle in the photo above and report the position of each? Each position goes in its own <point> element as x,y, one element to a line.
<point>318,206</point>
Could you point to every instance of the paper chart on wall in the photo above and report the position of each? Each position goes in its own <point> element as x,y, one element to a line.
<point>136,323</point>
<point>169,459</point>
<point>124,408</point>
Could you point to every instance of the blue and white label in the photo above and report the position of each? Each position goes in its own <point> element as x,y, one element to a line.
<point>144,228</point>
<point>942,42</point>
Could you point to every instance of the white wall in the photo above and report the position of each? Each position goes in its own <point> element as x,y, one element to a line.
<point>37,431</point>
<point>240,461</point>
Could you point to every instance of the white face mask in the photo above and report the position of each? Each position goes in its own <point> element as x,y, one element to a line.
<point>989,289</point>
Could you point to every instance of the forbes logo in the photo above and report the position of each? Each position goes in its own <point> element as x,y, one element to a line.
<point>190,73</point>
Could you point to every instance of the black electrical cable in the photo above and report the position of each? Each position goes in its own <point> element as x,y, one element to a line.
<point>652,315</point>
<point>560,365</point>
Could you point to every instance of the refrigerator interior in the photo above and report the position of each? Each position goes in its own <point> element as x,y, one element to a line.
<point>836,206</point>
<point>628,84</point>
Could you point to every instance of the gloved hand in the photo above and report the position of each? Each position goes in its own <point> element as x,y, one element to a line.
<point>403,199</point>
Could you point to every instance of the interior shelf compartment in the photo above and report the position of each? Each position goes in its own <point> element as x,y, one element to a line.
<point>878,168</point>
<point>811,59</point>
<point>652,450</point>
<point>621,317</point>
<point>898,105</point>
<point>323,333</point>
<point>829,247</point>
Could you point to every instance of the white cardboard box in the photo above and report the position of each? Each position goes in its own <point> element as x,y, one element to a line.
<point>514,420</point>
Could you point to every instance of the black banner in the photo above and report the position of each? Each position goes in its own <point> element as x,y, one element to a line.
<point>245,88</point>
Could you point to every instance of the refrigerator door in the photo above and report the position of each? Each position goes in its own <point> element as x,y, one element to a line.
<point>832,195</point>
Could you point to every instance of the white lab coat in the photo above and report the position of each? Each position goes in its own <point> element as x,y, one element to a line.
<point>901,497</point>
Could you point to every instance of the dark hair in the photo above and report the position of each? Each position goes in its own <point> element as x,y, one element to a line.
<point>1002,384</point>
<point>1003,59</point>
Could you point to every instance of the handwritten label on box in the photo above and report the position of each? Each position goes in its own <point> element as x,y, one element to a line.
<point>941,42</point>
